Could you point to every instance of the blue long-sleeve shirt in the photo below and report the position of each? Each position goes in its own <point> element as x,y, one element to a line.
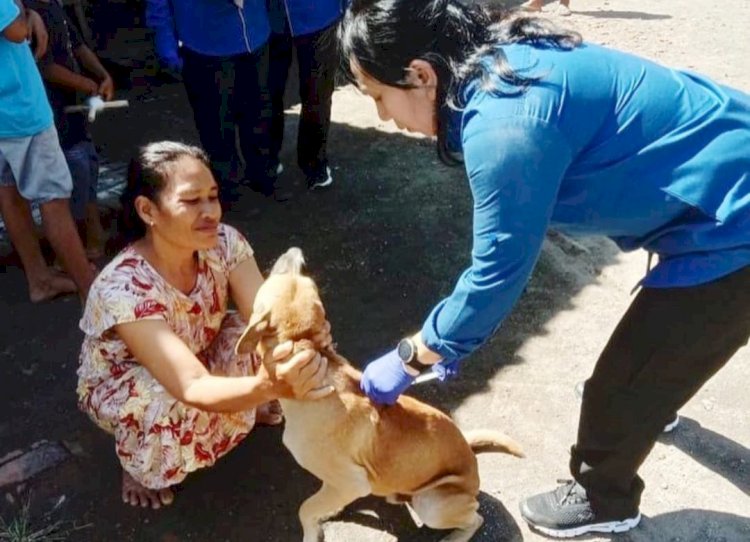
<point>605,143</point>
<point>208,27</point>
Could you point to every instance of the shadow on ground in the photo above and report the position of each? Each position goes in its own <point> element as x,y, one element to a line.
<point>722,455</point>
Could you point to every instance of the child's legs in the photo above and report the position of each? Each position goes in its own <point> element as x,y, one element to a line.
<point>17,217</point>
<point>80,171</point>
<point>43,176</point>
<point>43,284</point>
<point>83,162</point>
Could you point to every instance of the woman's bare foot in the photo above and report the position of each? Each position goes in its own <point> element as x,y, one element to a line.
<point>135,494</point>
<point>269,414</point>
<point>53,285</point>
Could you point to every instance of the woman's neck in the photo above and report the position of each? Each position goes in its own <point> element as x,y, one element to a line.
<point>176,264</point>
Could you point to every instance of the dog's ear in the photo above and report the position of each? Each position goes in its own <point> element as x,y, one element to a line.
<point>291,262</point>
<point>257,325</point>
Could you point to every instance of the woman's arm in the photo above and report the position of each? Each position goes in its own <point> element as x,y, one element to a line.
<point>175,367</point>
<point>515,166</point>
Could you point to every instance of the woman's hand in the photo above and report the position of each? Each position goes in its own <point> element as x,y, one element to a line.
<point>304,373</point>
<point>323,338</point>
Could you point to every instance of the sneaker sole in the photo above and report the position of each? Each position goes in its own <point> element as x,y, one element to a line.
<point>606,527</point>
<point>671,425</point>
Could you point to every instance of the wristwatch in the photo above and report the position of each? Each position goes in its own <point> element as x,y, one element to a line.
<point>407,351</point>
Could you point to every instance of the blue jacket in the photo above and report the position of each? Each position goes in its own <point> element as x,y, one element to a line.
<point>303,16</point>
<point>208,27</point>
<point>605,143</point>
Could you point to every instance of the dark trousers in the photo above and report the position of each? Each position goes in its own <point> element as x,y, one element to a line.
<point>668,344</point>
<point>229,97</point>
<point>317,59</point>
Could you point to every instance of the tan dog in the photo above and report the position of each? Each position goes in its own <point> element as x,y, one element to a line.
<point>408,453</point>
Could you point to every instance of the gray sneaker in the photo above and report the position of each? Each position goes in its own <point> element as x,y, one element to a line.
<point>566,512</point>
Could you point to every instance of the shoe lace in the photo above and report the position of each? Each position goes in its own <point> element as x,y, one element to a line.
<point>570,492</point>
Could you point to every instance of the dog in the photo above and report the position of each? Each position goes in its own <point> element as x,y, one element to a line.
<point>410,453</point>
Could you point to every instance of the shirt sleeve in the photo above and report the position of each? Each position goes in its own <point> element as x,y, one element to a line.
<point>159,18</point>
<point>9,12</point>
<point>121,294</point>
<point>234,247</point>
<point>515,166</point>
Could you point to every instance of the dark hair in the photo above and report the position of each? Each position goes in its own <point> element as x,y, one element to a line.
<point>384,36</point>
<point>147,176</point>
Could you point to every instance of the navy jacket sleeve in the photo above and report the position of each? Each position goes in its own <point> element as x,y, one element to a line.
<point>159,18</point>
<point>515,166</point>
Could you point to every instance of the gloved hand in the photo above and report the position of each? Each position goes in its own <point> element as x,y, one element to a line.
<point>385,379</point>
<point>446,369</point>
<point>95,104</point>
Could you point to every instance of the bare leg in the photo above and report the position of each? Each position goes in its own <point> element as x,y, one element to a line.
<point>44,283</point>
<point>135,494</point>
<point>94,232</point>
<point>63,236</point>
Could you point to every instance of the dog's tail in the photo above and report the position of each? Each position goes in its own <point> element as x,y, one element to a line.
<point>486,440</point>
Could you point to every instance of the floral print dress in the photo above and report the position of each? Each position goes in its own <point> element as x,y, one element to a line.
<point>158,439</point>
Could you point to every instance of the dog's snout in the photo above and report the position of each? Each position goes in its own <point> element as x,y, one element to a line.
<point>292,261</point>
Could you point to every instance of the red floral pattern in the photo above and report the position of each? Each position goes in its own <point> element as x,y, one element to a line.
<point>158,439</point>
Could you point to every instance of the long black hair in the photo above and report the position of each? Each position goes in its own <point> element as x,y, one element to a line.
<point>383,36</point>
<point>148,174</point>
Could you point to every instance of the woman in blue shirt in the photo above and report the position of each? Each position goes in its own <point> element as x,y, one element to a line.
<point>555,132</point>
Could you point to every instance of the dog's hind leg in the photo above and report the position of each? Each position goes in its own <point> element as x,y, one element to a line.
<point>328,501</point>
<point>445,508</point>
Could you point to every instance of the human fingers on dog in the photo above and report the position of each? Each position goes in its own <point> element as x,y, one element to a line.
<point>323,338</point>
<point>319,386</point>
<point>305,372</point>
<point>283,351</point>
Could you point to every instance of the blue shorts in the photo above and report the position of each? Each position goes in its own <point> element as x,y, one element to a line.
<point>36,165</point>
<point>83,162</point>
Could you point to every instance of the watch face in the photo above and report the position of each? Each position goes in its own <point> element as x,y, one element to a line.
<point>405,350</point>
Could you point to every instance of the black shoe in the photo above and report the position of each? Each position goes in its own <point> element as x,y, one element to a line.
<point>566,512</point>
<point>321,179</point>
<point>668,428</point>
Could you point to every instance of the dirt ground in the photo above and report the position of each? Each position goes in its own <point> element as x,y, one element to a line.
<point>385,243</point>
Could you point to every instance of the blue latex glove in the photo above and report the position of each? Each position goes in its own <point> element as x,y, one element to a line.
<point>446,369</point>
<point>385,379</point>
